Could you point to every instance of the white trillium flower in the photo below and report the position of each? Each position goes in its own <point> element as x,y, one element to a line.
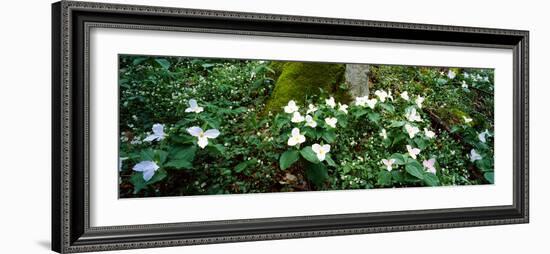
<point>405,96</point>
<point>474,156</point>
<point>148,168</point>
<point>429,165</point>
<point>429,133</point>
<point>451,74</point>
<point>158,133</point>
<point>320,150</point>
<point>343,108</point>
<point>194,107</point>
<point>330,102</point>
<point>311,109</point>
<point>413,116</point>
<point>411,130</point>
<point>388,163</point>
<point>413,152</point>
<point>361,101</point>
<point>371,103</point>
<point>483,136</point>
<point>291,107</point>
<point>296,138</point>
<point>310,122</point>
<point>297,118</point>
<point>419,100</point>
<point>382,95</point>
<point>383,134</point>
<point>464,85</point>
<point>331,121</point>
<point>203,136</point>
<point>467,119</point>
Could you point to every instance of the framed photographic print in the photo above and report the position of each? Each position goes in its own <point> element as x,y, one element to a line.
<point>181,126</point>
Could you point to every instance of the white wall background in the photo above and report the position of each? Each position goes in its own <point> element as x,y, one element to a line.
<point>25,125</point>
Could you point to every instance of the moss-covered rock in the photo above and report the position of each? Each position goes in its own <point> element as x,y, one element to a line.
<point>297,80</point>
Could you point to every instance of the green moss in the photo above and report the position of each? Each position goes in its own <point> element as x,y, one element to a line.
<point>297,81</point>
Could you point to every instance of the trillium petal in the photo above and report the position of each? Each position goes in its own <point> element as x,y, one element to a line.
<point>147,175</point>
<point>193,103</point>
<point>203,142</point>
<point>194,131</point>
<point>212,133</point>
<point>295,132</point>
<point>145,166</point>
<point>151,137</point>
<point>158,129</point>
<point>316,148</point>
<point>326,148</point>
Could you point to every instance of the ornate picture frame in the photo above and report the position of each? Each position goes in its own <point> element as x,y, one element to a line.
<point>71,24</point>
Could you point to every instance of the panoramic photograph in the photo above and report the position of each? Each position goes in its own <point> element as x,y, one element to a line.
<point>206,126</point>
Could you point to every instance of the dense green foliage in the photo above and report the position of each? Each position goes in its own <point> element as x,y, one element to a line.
<point>229,143</point>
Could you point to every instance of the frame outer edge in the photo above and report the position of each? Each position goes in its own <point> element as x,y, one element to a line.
<point>62,96</point>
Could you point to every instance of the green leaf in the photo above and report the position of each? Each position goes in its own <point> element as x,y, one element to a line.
<point>317,174</point>
<point>185,153</point>
<point>161,156</point>
<point>245,164</point>
<point>163,63</point>
<point>330,161</point>
<point>137,181</point>
<point>309,154</point>
<point>375,117</point>
<point>147,155</point>
<point>179,164</point>
<point>420,143</point>
<point>384,177</point>
<point>329,136</point>
<point>395,124</point>
<point>360,112</point>
<point>159,175</point>
<point>288,158</point>
<point>398,138</point>
<point>387,107</point>
<point>431,179</point>
<point>414,168</point>
<point>490,177</point>
<point>139,60</point>
<point>216,149</point>
<point>399,158</point>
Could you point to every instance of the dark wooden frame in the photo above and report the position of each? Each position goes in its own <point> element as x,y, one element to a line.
<point>71,22</point>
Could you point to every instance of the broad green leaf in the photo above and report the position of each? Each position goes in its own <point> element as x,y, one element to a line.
<point>375,117</point>
<point>245,164</point>
<point>288,158</point>
<point>179,164</point>
<point>384,177</point>
<point>360,112</point>
<point>420,143</point>
<point>309,154</point>
<point>163,63</point>
<point>147,155</point>
<point>329,160</point>
<point>139,60</point>
<point>137,181</point>
<point>398,138</point>
<point>317,173</point>
<point>329,136</point>
<point>185,153</point>
<point>161,156</point>
<point>216,149</point>
<point>414,168</point>
<point>490,177</point>
<point>387,107</point>
<point>431,179</point>
<point>395,124</point>
<point>399,158</point>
